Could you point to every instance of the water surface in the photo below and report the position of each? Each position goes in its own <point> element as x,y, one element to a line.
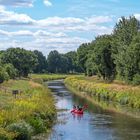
<point>94,124</point>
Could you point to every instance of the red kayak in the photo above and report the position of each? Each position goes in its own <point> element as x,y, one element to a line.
<point>77,111</point>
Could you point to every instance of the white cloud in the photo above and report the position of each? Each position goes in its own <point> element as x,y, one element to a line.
<point>47,3</point>
<point>17,3</point>
<point>62,44</point>
<point>137,16</point>
<point>49,33</point>
<point>36,34</point>
<point>99,19</point>
<point>55,24</point>
<point>12,18</point>
<point>56,21</point>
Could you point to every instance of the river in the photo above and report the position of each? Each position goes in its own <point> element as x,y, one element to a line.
<point>94,124</point>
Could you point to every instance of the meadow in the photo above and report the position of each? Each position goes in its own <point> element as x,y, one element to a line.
<point>126,95</point>
<point>46,77</point>
<point>31,112</point>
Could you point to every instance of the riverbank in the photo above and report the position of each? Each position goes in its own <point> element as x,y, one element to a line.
<point>29,112</point>
<point>115,97</point>
<point>40,78</point>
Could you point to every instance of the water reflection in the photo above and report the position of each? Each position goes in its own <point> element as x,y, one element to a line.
<point>77,116</point>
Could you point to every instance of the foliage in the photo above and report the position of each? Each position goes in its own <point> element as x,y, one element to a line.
<point>54,60</point>
<point>62,63</point>
<point>124,33</point>
<point>24,61</point>
<point>72,62</point>
<point>22,130</point>
<point>41,66</point>
<point>125,95</point>
<point>34,102</point>
<point>115,55</point>
<point>3,74</point>
<point>82,52</point>
<point>136,79</point>
<point>101,57</point>
<point>38,124</point>
<point>12,72</point>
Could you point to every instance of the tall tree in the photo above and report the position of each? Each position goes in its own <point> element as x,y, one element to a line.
<point>132,60</point>
<point>101,58</point>
<point>72,62</point>
<point>124,32</point>
<point>24,61</point>
<point>41,66</point>
<point>54,61</point>
<point>82,53</point>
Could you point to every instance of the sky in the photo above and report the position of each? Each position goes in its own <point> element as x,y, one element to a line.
<point>61,25</point>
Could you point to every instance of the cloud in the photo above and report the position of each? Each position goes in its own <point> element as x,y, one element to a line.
<point>56,21</point>
<point>12,18</point>
<point>137,16</point>
<point>61,33</point>
<point>17,3</point>
<point>47,3</point>
<point>45,44</point>
<point>56,24</point>
<point>36,34</point>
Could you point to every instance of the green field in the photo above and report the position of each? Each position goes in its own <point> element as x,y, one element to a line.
<point>47,77</point>
<point>30,113</point>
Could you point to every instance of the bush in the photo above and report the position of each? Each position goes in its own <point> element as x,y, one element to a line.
<point>10,69</point>
<point>136,79</point>
<point>3,74</point>
<point>38,124</point>
<point>22,130</point>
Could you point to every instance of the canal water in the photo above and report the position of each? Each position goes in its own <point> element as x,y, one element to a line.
<point>94,124</point>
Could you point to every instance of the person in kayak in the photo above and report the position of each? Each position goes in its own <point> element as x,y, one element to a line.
<point>79,108</point>
<point>74,108</point>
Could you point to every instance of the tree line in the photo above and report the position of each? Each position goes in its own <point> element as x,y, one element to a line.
<point>18,62</point>
<point>116,55</point>
<point>108,56</point>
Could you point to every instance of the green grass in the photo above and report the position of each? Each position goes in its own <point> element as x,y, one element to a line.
<point>33,108</point>
<point>47,77</point>
<point>124,94</point>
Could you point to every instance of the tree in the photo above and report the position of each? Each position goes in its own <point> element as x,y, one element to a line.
<point>100,59</point>
<point>132,60</point>
<point>41,66</point>
<point>72,62</point>
<point>54,61</point>
<point>3,74</point>
<point>82,53</point>
<point>123,34</point>
<point>10,69</point>
<point>24,61</point>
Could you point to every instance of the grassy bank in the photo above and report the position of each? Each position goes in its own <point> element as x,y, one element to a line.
<point>125,95</point>
<point>46,77</point>
<point>30,113</point>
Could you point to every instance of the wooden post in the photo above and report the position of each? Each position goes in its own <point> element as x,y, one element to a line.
<point>15,92</point>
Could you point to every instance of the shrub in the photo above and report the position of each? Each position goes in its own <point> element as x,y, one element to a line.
<point>38,124</point>
<point>3,74</point>
<point>12,72</point>
<point>136,79</point>
<point>22,130</point>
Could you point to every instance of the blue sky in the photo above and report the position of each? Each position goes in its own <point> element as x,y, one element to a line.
<point>62,25</point>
